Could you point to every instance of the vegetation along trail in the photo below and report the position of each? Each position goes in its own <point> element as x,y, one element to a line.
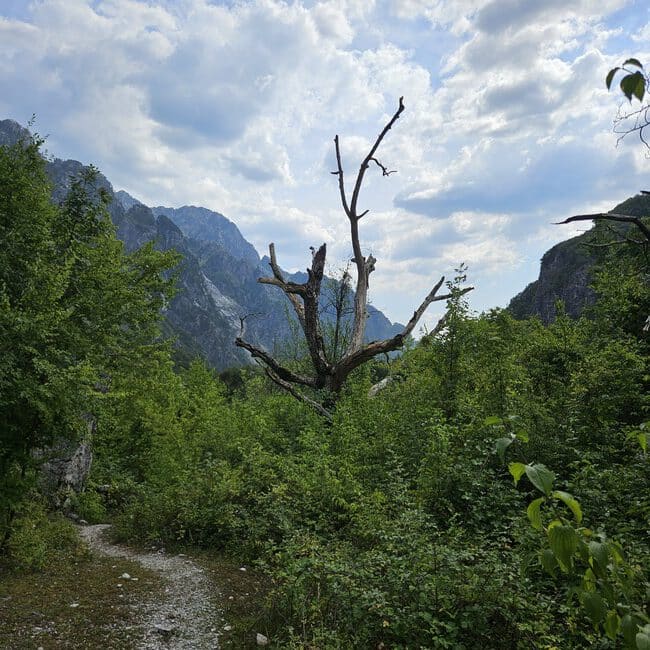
<point>185,617</point>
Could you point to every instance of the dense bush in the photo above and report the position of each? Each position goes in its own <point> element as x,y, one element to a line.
<point>395,525</point>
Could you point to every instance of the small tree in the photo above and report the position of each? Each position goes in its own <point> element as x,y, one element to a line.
<point>330,372</point>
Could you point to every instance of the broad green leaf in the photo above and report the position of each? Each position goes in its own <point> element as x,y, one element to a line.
<point>502,445</point>
<point>492,420</point>
<point>600,554</point>
<point>642,437</point>
<point>635,62</point>
<point>548,561</point>
<point>594,607</point>
<point>642,641</point>
<point>571,502</point>
<point>612,624</point>
<point>533,512</point>
<point>629,628</point>
<point>589,580</point>
<point>522,435</point>
<point>517,470</point>
<point>563,541</point>
<point>633,85</point>
<point>610,77</point>
<point>541,477</point>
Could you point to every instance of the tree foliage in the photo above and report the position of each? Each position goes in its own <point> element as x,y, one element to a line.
<point>73,308</point>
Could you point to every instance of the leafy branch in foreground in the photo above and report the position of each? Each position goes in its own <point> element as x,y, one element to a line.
<point>595,567</point>
<point>633,84</point>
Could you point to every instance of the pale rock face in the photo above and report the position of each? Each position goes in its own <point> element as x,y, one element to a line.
<point>65,468</point>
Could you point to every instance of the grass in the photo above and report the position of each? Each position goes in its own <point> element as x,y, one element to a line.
<point>75,602</point>
<point>242,594</point>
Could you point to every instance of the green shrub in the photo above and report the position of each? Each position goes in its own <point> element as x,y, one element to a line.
<point>89,506</point>
<point>37,537</point>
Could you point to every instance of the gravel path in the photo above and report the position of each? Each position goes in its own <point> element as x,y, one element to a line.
<point>185,618</point>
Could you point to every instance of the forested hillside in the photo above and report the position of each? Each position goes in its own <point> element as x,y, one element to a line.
<point>494,494</point>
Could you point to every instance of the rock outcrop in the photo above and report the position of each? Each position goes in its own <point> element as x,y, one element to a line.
<point>566,270</point>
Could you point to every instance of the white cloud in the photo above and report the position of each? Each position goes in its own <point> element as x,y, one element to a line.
<point>234,106</point>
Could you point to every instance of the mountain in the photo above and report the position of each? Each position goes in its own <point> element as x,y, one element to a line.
<point>566,269</point>
<point>205,225</point>
<point>217,276</point>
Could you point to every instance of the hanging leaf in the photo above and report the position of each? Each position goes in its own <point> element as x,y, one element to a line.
<point>612,624</point>
<point>548,561</point>
<point>594,607</point>
<point>522,435</point>
<point>534,514</point>
<point>571,502</point>
<point>635,62</point>
<point>629,628</point>
<point>541,477</point>
<point>633,85</point>
<point>517,470</point>
<point>563,541</point>
<point>502,445</point>
<point>610,77</point>
<point>600,555</point>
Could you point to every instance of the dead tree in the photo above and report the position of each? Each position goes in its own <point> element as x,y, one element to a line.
<point>330,375</point>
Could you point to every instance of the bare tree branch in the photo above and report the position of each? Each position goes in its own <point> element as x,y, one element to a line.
<point>339,173</point>
<point>364,267</point>
<point>372,349</point>
<point>636,121</point>
<point>288,288</point>
<point>608,216</point>
<point>366,161</point>
<point>384,170</point>
<point>319,408</point>
<point>280,371</point>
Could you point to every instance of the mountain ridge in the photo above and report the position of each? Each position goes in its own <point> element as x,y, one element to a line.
<point>217,276</point>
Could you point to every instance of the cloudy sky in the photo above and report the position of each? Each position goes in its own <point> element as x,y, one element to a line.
<point>233,105</point>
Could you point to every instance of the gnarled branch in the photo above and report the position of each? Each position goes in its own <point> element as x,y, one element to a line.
<point>609,216</point>
<point>280,371</point>
<point>372,349</point>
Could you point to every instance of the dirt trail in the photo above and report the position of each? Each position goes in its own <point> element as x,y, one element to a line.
<point>185,618</point>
